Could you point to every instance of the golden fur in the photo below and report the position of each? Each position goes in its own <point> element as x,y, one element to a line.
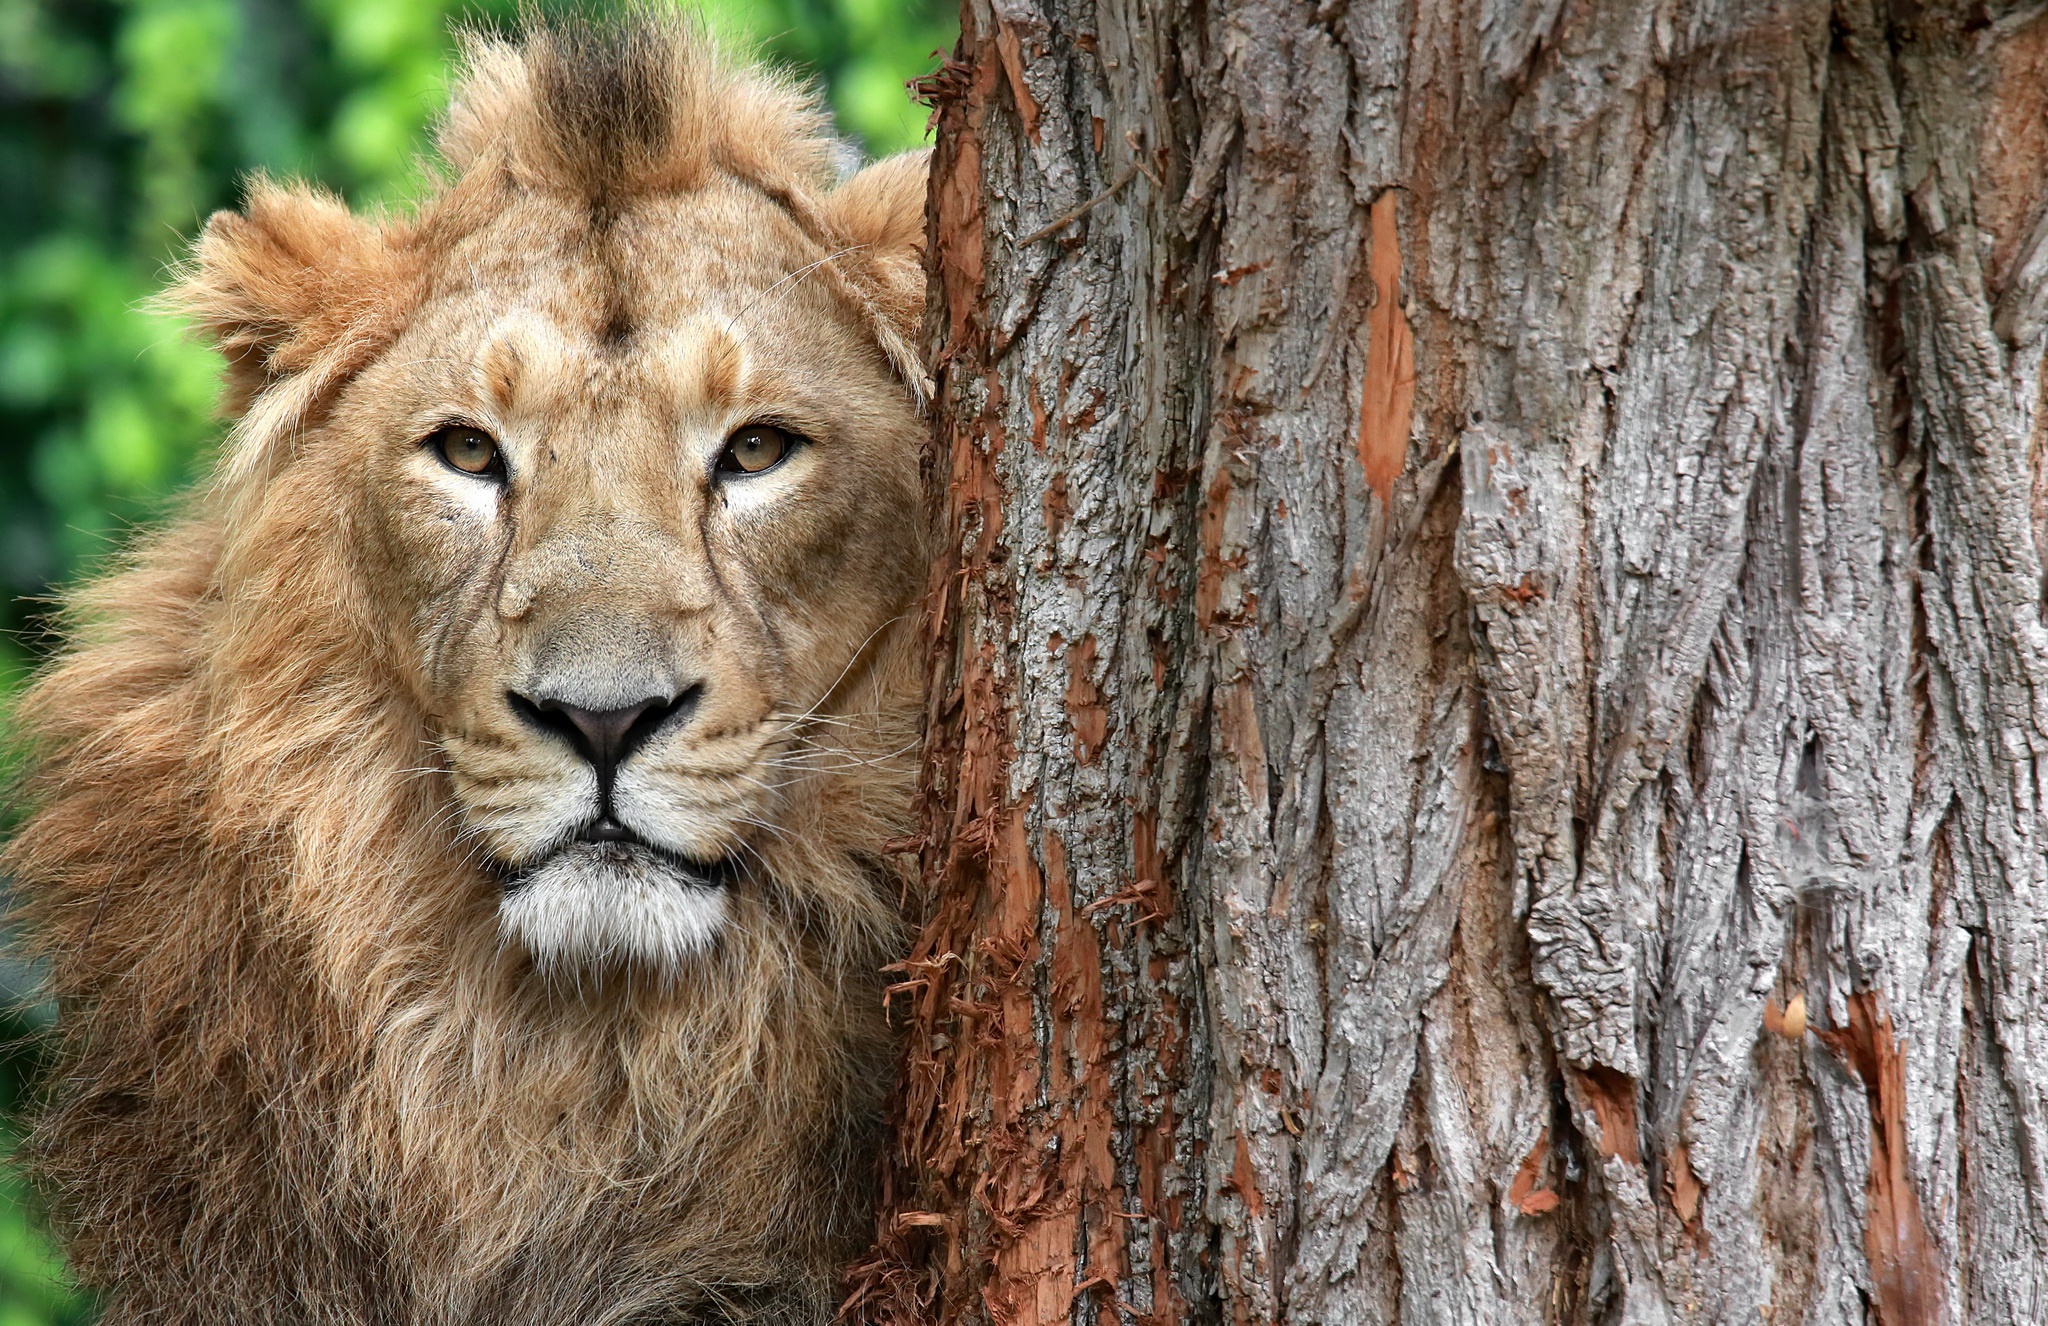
<point>307,1073</point>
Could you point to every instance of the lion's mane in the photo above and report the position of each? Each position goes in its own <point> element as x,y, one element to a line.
<point>301,1077</point>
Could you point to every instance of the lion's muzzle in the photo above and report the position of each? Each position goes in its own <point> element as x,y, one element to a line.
<point>614,882</point>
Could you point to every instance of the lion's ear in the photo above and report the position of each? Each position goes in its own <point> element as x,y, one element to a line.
<point>295,291</point>
<point>882,207</point>
<point>880,211</point>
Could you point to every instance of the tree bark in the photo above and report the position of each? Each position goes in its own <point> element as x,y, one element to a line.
<point>1489,685</point>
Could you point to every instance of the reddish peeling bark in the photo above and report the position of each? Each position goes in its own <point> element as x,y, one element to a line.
<point>1031,1145</point>
<point>1389,389</point>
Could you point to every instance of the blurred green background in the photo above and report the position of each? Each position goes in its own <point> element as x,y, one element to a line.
<point>123,124</point>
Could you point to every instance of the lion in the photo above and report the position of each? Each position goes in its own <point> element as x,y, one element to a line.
<point>457,839</point>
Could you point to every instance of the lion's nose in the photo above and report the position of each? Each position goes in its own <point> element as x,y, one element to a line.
<point>605,737</point>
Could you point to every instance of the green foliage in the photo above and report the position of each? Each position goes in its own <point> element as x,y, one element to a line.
<point>34,1290</point>
<point>123,124</point>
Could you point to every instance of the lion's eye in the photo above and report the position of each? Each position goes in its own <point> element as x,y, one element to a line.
<point>470,450</point>
<point>755,448</point>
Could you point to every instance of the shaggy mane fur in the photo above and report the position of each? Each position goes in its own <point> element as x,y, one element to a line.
<point>302,1077</point>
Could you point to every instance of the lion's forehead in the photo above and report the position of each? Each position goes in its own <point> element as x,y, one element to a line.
<point>663,257</point>
<point>683,304</point>
<point>529,359</point>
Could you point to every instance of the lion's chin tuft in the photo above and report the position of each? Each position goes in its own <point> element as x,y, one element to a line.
<point>602,904</point>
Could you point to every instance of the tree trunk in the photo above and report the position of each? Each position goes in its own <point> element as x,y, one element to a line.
<point>1489,683</point>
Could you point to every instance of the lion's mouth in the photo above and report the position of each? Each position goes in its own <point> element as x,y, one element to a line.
<point>607,845</point>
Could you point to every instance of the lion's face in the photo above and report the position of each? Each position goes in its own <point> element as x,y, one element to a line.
<point>644,507</point>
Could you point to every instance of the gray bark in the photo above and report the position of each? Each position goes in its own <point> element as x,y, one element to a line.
<point>1489,679</point>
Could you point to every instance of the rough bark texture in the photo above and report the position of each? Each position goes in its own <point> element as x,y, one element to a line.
<point>1489,677</point>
